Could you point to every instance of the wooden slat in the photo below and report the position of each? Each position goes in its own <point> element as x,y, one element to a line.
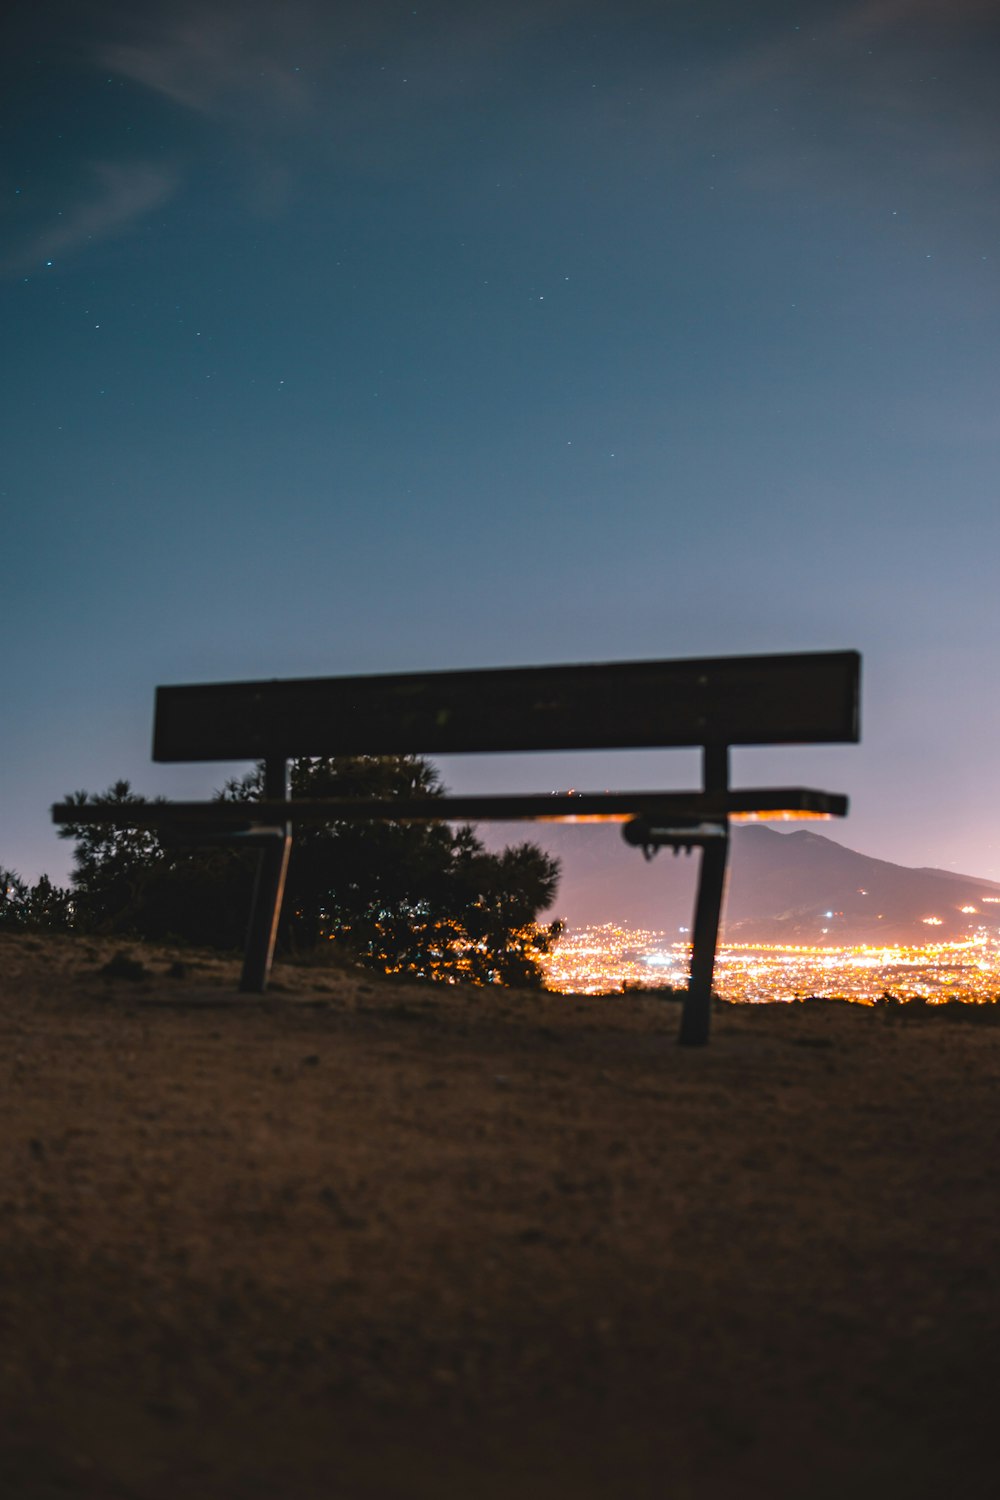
<point>531,807</point>
<point>805,698</point>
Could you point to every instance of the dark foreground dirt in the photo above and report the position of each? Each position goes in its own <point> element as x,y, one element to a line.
<point>373,1240</point>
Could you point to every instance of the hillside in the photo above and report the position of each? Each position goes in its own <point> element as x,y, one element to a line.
<point>366,1239</point>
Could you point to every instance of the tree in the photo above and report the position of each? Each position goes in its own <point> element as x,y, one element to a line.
<point>425,899</point>
<point>42,907</point>
<point>420,898</point>
<point>110,865</point>
<point>136,882</point>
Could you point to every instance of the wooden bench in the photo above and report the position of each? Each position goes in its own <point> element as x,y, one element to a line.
<point>712,703</point>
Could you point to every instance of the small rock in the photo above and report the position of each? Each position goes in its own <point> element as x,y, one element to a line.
<point>124,966</point>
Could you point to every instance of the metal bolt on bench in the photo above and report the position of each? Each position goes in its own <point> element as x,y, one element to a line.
<point>713,702</point>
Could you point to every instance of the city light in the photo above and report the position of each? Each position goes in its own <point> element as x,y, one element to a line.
<point>609,959</point>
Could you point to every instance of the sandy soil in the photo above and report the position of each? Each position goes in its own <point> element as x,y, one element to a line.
<point>365,1239</point>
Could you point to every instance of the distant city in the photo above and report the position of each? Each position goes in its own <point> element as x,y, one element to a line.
<point>609,958</point>
<point>803,915</point>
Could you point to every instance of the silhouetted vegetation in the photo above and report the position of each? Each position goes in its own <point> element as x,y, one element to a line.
<point>42,907</point>
<point>425,899</point>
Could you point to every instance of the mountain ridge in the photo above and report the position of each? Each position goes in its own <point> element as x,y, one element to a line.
<point>796,887</point>
<point>804,886</point>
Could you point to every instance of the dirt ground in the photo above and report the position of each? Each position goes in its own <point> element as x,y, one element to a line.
<point>365,1239</point>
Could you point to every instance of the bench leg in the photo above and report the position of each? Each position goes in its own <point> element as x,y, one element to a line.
<point>697,1013</point>
<point>268,891</point>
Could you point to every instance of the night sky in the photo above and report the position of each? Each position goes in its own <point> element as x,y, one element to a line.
<point>360,337</point>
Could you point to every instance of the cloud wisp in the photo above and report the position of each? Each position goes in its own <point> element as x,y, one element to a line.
<point>120,193</point>
<point>245,65</point>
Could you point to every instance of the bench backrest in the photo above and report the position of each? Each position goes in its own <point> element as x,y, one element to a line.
<point>805,698</point>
